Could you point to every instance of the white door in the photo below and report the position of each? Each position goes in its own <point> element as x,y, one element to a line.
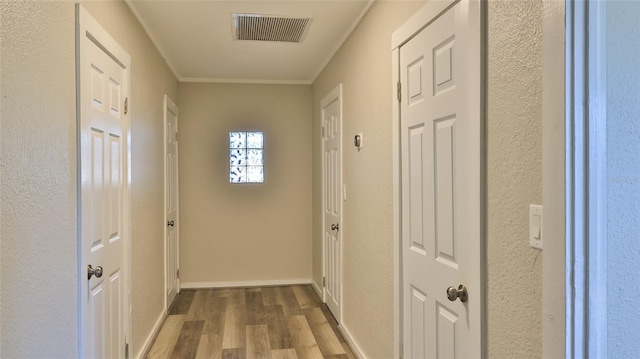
<point>171,199</point>
<point>332,198</point>
<point>103,139</point>
<point>441,193</point>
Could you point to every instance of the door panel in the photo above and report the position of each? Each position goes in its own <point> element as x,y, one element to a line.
<point>440,180</point>
<point>97,313</point>
<point>115,188</point>
<point>444,191</point>
<point>418,315</point>
<point>415,198</point>
<point>116,327</point>
<point>446,333</point>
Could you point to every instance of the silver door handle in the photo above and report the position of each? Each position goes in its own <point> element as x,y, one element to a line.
<point>91,272</point>
<point>171,223</point>
<point>461,292</point>
<point>335,227</point>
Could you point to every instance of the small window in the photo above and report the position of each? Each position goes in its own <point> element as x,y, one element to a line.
<point>246,157</point>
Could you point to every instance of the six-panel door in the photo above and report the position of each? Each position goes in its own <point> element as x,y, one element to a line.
<point>440,158</point>
<point>102,201</point>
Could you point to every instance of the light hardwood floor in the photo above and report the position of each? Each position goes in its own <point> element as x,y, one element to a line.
<point>288,322</point>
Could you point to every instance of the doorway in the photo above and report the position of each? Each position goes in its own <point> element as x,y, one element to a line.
<point>102,68</point>
<point>601,183</point>
<point>171,203</point>
<point>331,107</point>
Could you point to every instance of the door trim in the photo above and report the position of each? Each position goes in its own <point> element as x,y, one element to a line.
<point>335,94</point>
<point>169,105</point>
<point>583,204</point>
<point>420,20</point>
<point>554,271</point>
<point>86,24</point>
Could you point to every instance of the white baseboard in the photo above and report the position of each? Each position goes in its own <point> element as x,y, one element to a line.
<point>152,336</point>
<point>352,343</point>
<point>317,288</point>
<point>259,283</point>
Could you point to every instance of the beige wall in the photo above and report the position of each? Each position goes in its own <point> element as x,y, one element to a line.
<point>38,125</point>
<point>363,66</point>
<point>243,233</point>
<point>514,177</point>
<point>38,286</point>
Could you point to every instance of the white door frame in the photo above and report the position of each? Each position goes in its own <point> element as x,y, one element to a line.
<point>553,180</point>
<point>575,168</point>
<point>86,24</point>
<point>421,19</point>
<point>170,106</point>
<point>335,94</point>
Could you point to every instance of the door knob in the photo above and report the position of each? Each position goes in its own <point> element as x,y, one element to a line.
<point>335,227</point>
<point>91,272</point>
<point>171,223</point>
<point>461,292</point>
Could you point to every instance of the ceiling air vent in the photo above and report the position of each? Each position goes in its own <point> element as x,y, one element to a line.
<point>269,27</point>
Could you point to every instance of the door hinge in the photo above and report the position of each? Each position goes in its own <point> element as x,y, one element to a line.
<point>324,281</point>
<point>322,131</point>
<point>176,136</point>
<point>126,350</point>
<point>178,273</point>
<point>126,105</point>
<point>399,91</point>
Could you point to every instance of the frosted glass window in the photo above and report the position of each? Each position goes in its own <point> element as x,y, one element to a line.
<point>246,157</point>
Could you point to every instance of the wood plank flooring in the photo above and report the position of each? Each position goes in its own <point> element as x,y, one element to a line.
<point>288,322</point>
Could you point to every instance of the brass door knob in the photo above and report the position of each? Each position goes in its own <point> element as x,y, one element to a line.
<point>461,292</point>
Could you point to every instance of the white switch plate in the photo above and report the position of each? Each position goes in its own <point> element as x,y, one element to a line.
<point>535,226</point>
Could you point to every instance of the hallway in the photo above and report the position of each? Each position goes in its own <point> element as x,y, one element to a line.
<point>259,322</point>
<point>230,235</point>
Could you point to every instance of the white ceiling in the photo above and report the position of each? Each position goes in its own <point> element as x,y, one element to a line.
<point>196,38</point>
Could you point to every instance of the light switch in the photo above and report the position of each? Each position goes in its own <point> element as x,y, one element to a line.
<point>535,226</point>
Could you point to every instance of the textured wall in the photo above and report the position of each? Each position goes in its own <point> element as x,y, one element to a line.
<point>514,177</point>
<point>251,232</point>
<point>623,169</point>
<point>38,169</point>
<point>363,65</point>
<point>151,78</point>
<point>39,175</point>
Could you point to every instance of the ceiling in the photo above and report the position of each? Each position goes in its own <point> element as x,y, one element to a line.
<point>197,41</point>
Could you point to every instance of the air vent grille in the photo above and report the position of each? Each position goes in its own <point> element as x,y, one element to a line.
<point>269,28</point>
